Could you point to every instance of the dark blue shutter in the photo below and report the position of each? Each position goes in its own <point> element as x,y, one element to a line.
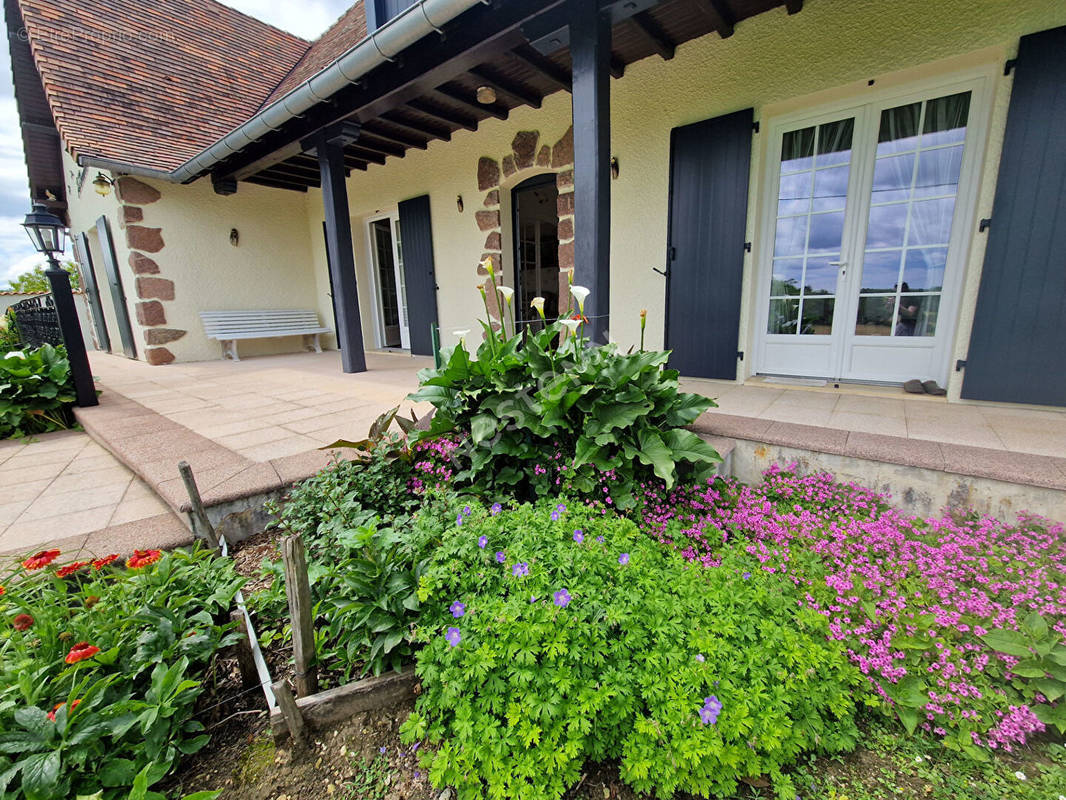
<point>1018,344</point>
<point>118,294</point>
<point>416,237</point>
<point>92,291</point>
<point>709,167</point>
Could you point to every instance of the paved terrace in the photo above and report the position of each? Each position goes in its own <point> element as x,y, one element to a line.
<point>253,427</point>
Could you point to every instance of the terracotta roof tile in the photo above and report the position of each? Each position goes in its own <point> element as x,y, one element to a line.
<point>152,84</point>
<point>344,34</point>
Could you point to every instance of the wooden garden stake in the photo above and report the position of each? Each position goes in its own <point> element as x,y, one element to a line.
<point>199,513</point>
<point>290,711</point>
<point>298,591</point>
<point>243,650</point>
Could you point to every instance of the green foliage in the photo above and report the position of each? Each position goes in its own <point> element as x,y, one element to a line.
<point>533,689</point>
<point>362,565</point>
<point>35,281</point>
<point>36,392</point>
<point>534,409</point>
<point>9,332</point>
<point>113,724</point>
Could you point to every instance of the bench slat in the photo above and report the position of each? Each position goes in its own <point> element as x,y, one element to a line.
<point>261,323</point>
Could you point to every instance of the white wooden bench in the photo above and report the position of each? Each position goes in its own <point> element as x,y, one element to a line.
<point>230,326</point>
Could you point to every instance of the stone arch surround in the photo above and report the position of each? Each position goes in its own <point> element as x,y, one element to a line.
<point>527,158</point>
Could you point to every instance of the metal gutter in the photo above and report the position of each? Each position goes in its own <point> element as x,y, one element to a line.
<point>383,45</point>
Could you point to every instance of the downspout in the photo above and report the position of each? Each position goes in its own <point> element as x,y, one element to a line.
<point>383,45</point>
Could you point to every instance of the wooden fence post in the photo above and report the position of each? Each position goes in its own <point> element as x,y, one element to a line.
<point>291,712</point>
<point>243,651</point>
<point>199,513</point>
<point>298,592</point>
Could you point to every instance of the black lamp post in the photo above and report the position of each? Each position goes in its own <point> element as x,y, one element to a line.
<point>47,233</point>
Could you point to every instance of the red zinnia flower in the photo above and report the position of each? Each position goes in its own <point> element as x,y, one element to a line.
<point>100,563</point>
<point>52,713</point>
<point>22,622</point>
<point>142,558</point>
<point>1,591</point>
<point>42,559</point>
<point>81,651</point>
<point>71,568</point>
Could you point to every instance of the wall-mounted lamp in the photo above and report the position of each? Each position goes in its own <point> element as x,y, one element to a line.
<point>459,203</point>
<point>614,168</point>
<point>234,237</point>
<point>486,95</point>
<point>102,184</point>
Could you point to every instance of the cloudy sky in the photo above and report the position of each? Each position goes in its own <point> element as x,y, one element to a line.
<point>307,18</point>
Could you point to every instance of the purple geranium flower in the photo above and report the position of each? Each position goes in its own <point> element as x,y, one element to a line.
<point>579,536</point>
<point>712,707</point>
<point>457,609</point>
<point>495,509</point>
<point>500,557</point>
<point>746,575</point>
<point>561,508</point>
<point>382,749</point>
<point>482,541</point>
<point>599,539</point>
<point>700,658</point>
<point>453,636</point>
<point>623,559</point>
<point>555,516</point>
<point>459,520</point>
<point>466,511</point>
<point>561,598</point>
<point>520,569</point>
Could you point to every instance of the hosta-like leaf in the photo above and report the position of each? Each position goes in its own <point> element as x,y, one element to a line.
<point>1010,642</point>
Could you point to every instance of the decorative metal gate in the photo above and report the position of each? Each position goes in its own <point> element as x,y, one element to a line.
<point>37,321</point>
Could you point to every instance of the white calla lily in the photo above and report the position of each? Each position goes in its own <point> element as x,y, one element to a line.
<point>580,293</point>
<point>461,335</point>
<point>488,265</point>
<point>570,324</point>
<point>538,304</point>
<point>507,292</point>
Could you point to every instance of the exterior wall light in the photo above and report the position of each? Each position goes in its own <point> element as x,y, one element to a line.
<point>102,184</point>
<point>486,95</point>
<point>234,237</point>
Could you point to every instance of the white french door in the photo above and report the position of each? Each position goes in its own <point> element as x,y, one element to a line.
<point>390,283</point>
<point>869,210</point>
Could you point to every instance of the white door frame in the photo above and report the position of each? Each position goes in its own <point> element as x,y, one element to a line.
<point>980,81</point>
<point>393,216</point>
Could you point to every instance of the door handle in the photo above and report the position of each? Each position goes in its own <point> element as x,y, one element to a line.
<point>843,267</point>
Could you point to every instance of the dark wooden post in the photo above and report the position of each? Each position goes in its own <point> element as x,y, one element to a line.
<point>298,592</point>
<point>590,53</point>
<point>329,147</point>
<point>63,300</point>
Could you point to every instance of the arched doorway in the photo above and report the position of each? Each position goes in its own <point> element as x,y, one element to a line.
<point>535,210</point>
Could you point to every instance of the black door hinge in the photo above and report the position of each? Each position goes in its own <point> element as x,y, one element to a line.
<point>671,252</point>
<point>1008,67</point>
<point>755,126</point>
<point>747,247</point>
<point>960,364</point>
<point>740,354</point>
<point>984,225</point>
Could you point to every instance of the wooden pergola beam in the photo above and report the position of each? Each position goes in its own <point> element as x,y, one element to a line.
<point>650,32</point>
<point>274,183</point>
<point>418,128</point>
<point>722,17</point>
<point>793,6</point>
<point>461,98</point>
<point>543,66</point>
<point>369,129</point>
<point>447,117</point>
<point>363,154</point>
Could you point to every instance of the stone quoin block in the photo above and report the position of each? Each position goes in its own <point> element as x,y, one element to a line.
<point>488,173</point>
<point>563,151</point>
<point>524,147</point>
<point>544,157</point>
<point>151,313</point>
<point>128,214</point>
<point>566,229</point>
<point>565,204</point>
<point>157,336</point>
<point>131,190</point>
<point>566,255</point>
<point>488,220</point>
<point>494,242</point>
<point>150,240</point>
<point>492,198</point>
<point>142,264</point>
<point>565,180</point>
<point>509,167</point>
<point>155,288</point>
<point>158,355</point>
<point>495,263</point>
